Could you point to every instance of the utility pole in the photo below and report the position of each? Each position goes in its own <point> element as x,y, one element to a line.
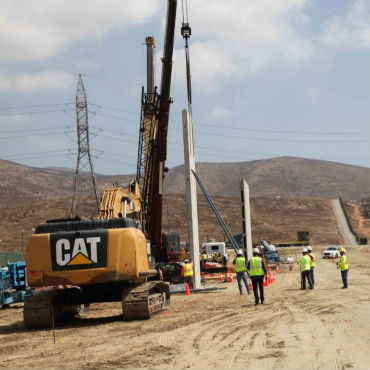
<point>84,161</point>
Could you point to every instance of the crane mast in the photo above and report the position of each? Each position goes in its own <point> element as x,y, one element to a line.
<point>152,151</point>
<point>147,138</point>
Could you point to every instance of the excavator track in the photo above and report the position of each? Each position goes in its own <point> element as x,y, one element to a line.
<point>39,310</point>
<point>145,300</point>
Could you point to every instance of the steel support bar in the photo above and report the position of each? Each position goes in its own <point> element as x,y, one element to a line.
<point>217,213</point>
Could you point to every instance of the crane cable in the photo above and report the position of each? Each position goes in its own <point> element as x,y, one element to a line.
<point>186,33</point>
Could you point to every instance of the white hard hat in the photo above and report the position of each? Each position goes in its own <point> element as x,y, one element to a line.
<point>186,261</point>
<point>304,250</point>
<point>239,252</point>
<point>309,248</point>
<point>256,250</point>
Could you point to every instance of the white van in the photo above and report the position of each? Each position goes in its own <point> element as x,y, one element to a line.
<point>215,247</point>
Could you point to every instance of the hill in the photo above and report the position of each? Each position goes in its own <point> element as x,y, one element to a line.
<point>277,177</point>
<point>272,219</point>
<point>283,176</point>
<point>46,182</point>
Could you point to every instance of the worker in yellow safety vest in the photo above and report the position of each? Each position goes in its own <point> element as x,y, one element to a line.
<point>305,263</point>
<point>204,257</point>
<point>257,271</point>
<point>240,269</point>
<point>312,265</point>
<point>187,272</point>
<point>343,265</point>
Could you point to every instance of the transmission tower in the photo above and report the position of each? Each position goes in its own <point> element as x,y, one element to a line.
<point>84,161</point>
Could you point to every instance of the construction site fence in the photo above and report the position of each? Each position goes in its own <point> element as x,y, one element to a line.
<point>6,257</point>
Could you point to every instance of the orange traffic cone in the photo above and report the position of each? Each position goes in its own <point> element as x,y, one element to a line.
<point>221,279</point>
<point>250,286</point>
<point>231,279</point>
<point>277,269</point>
<point>187,290</point>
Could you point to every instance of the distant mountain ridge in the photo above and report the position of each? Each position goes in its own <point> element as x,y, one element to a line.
<point>277,177</point>
<point>282,176</point>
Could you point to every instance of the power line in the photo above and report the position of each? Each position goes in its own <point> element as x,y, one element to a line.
<point>281,140</point>
<point>115,109</point>
<point>115,117</point>
<point>122,155</point>
<point>173,120</point>
<point>217,150</point>
<point>37,153</point>
<point>229,127</point>
<point>253,138</point>
<point>35,112</point>
<point>274,140</point>
<point>33,106</point>
<point>38,156</point>
<point>264,154</point>
<point>31,135</point>
<point>105,158</point>
<point>34,129</point>
<point>114,131</point>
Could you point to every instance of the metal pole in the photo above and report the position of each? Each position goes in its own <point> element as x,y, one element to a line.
<point>22,241</point>
<point>217,213</point>
<point>191,196</point>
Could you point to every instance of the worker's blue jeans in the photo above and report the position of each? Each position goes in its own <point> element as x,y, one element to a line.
<point>344,274</point>
<point>312,276</point>
<point>241,276</point>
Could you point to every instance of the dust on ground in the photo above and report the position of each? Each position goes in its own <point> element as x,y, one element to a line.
<point>327,328</point>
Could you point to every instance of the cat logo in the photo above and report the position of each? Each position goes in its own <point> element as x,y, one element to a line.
<point>78,250</point>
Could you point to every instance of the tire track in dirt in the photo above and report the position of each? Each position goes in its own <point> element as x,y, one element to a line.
<point>293,329</point>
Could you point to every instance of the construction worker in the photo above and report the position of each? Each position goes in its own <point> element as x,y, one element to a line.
<point>257,271</point>
<point>240,269</point>
<point>305,263</point>
<point>187,272</point>
<point>312,265</point>
<point>343,265</point>
<point>204,257</point>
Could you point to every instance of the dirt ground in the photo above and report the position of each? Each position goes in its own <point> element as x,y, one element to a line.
<point>327,328</point>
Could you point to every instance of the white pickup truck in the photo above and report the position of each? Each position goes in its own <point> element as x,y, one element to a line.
<point>331,251</point>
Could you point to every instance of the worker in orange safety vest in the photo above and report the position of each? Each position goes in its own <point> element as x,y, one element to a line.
<point>312,265</point>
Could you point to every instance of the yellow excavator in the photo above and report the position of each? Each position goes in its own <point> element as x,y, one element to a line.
<point>112,257</point>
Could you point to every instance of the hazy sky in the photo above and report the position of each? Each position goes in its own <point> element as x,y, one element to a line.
<point>270,78</point>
